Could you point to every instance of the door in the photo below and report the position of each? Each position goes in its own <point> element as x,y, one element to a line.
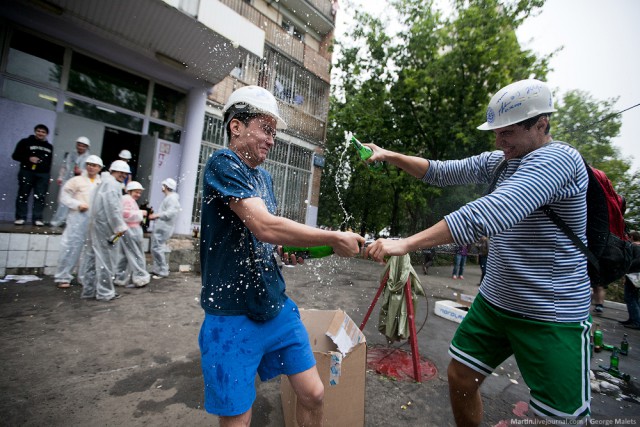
<point>116,140</point>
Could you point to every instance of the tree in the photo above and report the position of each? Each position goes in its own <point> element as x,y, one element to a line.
<point>421,93</point>
<point>590,126</point>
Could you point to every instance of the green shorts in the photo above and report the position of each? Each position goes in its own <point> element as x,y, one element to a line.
<point>552,357</point>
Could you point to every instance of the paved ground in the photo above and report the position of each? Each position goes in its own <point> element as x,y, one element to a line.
<point>135,361</point>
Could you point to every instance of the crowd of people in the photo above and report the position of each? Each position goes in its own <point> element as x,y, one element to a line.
<point>102,244</point>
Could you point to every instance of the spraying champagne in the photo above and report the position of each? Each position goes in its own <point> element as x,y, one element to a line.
<point>365,153</point>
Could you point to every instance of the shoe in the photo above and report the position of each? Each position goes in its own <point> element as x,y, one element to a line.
<point>632,326</point>
<point>625,322</point>
<point>454,277</point>
<point>38,223</point>
<point>116,296</point>
<point>64,285</point>
<point>599,308</point>
<point>461,277</point>
<point>19,222</point>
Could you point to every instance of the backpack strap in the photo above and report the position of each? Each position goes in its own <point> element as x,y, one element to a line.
<point>496,174</point>
<point>553,216</point>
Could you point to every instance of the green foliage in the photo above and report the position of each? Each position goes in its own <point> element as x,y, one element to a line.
<point>590,126</point>
<point>423,92</point>
<point>629,188</point>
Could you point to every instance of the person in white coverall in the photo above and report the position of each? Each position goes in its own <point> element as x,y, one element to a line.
<point>131,265</point>
<point>76,195</point>
<point>73,165</point>
<point>106,221</point>
<point>163,227</point>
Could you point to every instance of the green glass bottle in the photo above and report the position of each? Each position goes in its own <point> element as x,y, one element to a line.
<point>624,346</point>
<point>614,361</point>
<point>597,339</point>
<point>365,153</point>
<point>308,252</point>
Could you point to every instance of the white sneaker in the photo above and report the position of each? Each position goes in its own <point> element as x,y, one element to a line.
<point>19,222</point>
<point>38,223</point>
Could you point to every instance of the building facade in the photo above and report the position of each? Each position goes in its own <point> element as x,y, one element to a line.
<point>151,76</point>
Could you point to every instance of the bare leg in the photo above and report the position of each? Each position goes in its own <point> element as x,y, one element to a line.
<point>598,295</point>
<point>464,392</point>
<point>242,420</point>
<point>310,393</point>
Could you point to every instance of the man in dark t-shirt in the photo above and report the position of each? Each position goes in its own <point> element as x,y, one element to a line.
<point>250,324</point>
<point>34,154</point>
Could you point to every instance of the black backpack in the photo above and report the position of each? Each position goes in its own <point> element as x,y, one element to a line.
<point>609,252</point>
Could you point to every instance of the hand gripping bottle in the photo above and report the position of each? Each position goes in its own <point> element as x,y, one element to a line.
<point>365,153</point>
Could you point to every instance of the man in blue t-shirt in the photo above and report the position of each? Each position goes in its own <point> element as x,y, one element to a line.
<point>533,302</point>
<point>250,324</point>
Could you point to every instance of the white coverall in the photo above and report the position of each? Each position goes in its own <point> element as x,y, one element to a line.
<point>76,191</point>
<point>97,268</point>
<point>67,171</point>
<point>130,260</point>
<point>162,231</point>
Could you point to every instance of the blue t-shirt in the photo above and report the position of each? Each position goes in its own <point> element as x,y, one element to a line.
<point>240,274</point>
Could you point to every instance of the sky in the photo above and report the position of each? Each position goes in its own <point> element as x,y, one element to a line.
<point>599,56</point>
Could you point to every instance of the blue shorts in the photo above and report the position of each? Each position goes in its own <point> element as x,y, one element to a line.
<point>234,348</point>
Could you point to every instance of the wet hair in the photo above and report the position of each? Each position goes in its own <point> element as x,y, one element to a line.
<point>244,117</point>
<point>528,123</point>
<point>41,126</point>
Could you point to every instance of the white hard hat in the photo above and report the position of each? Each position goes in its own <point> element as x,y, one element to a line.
<point>253,99</point>
<point>120,166</point>
<point>94,160</point>
<point>84,140</point>
<point>170,183</point>
<point>134,185</point>
<point>125,154</point>
<point>517,102</point>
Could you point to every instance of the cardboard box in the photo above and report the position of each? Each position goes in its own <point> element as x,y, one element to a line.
<point>451,310</point>
<point>341,356</point>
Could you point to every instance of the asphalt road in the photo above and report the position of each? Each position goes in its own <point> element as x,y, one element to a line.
<point>135,361</point>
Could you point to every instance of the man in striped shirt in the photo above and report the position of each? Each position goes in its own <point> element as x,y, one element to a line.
<point>534,299</point>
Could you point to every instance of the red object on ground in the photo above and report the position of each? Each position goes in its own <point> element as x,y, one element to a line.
<point>386,367</point>
<point>398,364</point>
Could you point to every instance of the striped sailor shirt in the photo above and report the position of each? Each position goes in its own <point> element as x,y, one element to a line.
<point>533,269</point>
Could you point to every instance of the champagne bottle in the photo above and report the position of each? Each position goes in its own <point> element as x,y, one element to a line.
<point>624,345</point>
<point>113,239</point>
<point>308,252</point>
<point>365,153</point>
<point>614,361</point>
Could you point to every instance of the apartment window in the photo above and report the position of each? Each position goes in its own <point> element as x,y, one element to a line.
<point>168,133</point>
<point>94,79</point>
<point>293,30</point>
<point>35,59</point>
<point>168,105</point>
<point>103,113</point>
<point>29,94</point>
<point>294,85</point>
